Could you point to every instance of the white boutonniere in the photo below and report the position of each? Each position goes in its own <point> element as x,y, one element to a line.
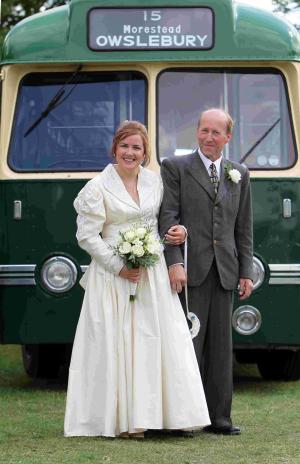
<point>232,174</point>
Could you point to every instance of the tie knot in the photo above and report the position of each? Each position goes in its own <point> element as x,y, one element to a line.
<point>213,168</point>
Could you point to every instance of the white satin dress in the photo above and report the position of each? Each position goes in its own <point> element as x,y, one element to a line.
<point>133,363</point>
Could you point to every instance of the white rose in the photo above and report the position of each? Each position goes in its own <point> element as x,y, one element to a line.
<point>137,242</point>
<point>153,247</point>
<point>125,248</point>
<point>129,235</point>
<point>140,232</point>
<point>138,250</point>
<point>235,175</point>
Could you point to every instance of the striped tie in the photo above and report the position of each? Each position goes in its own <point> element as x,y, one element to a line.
<point>214,177</point>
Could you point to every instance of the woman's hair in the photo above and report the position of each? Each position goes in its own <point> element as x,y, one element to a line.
<point>127,128</point>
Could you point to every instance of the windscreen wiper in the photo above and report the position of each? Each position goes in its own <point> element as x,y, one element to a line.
<point>55,101</point>
<point>259,140</point>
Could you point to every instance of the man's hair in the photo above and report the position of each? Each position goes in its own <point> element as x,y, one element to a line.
<point>229,120</point>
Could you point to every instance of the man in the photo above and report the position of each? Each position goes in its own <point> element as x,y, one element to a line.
<point>211,198</point>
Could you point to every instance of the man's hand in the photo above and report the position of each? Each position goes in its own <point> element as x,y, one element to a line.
<point>133,275</point>
<point>176,235</point>
<point>177,277</point>
<point>245,288</point>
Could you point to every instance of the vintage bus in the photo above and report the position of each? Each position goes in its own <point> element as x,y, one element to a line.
<point>69,76</point>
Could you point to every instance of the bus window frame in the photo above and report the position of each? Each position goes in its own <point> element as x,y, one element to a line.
<point>0,97</point>
<point>233,69</point>
<point>49,72</point>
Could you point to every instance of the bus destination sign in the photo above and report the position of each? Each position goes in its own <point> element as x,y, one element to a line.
<point>150,29</point>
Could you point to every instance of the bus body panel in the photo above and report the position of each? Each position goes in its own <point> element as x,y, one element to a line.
<point>246,38</point>
<point>30,313</point>
<point>241,33</point>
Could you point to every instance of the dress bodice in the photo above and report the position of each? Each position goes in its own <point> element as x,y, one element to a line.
<point>105,207</point>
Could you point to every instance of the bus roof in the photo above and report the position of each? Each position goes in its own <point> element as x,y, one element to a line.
<point>241,32</point>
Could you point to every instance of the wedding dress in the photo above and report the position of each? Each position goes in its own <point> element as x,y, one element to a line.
<point>133,364</point>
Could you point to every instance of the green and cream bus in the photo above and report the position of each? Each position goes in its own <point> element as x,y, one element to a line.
<point>69,76</point>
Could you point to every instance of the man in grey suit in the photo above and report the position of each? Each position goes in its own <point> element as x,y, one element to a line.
<point>211,198</point>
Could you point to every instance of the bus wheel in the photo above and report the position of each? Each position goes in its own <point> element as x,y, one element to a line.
<point>280,365</point>
<point>46,361</point>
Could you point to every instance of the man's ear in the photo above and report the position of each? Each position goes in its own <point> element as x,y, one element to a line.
<point>229,136</point>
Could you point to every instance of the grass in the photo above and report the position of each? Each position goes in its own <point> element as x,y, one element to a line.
<point>31,426</point>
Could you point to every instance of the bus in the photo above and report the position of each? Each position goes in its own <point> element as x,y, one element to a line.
<point>69,76</point>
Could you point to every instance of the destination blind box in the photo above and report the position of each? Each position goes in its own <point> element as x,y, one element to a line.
<point>149,28</point>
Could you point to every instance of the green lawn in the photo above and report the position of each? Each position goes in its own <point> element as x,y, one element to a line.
<point>31,426</point>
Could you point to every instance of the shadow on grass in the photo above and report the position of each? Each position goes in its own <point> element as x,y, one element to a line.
<point>12,375</point>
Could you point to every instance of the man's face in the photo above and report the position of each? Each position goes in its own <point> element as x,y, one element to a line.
<point>212,134</point>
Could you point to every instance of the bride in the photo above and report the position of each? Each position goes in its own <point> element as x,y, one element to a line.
<point>133,364</point>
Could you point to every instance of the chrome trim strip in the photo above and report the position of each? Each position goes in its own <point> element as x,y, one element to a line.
<point>284,267</point>
<point>284,281</point>
<point>26,281</point>
<point>17,274</point>
<point>17,268</point>
<point>285,274</point>
<point>83,268</point>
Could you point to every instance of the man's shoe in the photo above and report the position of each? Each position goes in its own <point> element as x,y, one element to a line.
<point>232,430</point>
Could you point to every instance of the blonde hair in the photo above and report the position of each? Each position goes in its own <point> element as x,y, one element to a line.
<point>229,120</point>
<point>127,128</point>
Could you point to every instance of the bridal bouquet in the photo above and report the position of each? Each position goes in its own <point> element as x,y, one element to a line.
<point>138,247</point>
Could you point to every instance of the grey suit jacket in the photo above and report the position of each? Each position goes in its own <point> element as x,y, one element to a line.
<point>218,227</point>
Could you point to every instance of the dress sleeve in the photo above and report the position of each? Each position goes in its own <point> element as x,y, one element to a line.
<point>90,208</point>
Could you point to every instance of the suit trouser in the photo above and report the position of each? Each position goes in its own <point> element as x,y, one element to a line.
<point>213,345</point>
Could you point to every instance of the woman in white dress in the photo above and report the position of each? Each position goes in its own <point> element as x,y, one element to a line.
<point>133,364</point>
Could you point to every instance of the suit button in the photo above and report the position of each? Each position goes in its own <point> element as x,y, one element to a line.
<point>216,242</point>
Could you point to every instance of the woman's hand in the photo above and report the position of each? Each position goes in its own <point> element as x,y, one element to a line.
<point>176,235</point>
<point>133,275</point>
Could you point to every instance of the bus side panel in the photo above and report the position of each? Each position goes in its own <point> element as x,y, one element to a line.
<point>276,243</point>
<point>30,313</point>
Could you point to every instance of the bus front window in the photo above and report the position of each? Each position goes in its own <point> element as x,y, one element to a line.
<point>76,135</point>
<point>257,101</point>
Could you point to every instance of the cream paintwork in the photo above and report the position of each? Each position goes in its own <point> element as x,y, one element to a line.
<point>13,75</point>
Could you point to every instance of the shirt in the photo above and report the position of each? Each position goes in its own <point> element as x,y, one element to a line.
<point>207,162</point>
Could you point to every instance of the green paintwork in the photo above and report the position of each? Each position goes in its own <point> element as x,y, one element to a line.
<point>241,33</point>
<point>29,314</point>
<point>48,226</point>
<point>276,241</point>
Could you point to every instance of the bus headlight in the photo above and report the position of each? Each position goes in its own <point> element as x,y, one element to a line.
<point>259,273</point>
<point>58,274</point>
<point>246,320</point>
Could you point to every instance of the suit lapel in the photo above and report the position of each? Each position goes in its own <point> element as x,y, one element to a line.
<point>198,171</point>
<point>223,184</point>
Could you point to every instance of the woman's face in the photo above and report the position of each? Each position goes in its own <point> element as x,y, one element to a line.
<point>130,152</point>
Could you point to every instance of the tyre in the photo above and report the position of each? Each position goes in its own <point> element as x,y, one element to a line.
<point>46,361</point>
<point>279,365</point>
